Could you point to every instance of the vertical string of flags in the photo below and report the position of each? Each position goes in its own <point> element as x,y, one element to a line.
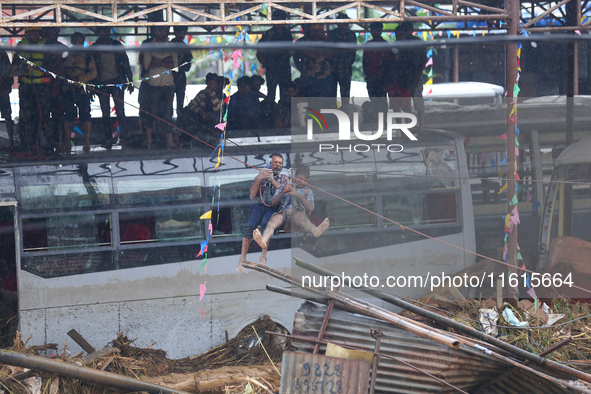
<point>512,219</point>
<point>429,69</point>
<point>238,63</point>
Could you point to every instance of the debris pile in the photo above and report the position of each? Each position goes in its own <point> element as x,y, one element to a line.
<point>470,360</point>
<point>529,326</point>
<point>238,363</point>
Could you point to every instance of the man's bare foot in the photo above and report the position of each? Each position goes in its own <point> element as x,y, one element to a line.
<point>240,268</point>
<point>322,228</point>
<point>256,235</point>
<point>263,259</point>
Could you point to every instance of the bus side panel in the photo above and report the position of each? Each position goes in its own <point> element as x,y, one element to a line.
<point>232,312</point>
<point>174,324</point>
<point>32,323</point>
<point>98,324</point>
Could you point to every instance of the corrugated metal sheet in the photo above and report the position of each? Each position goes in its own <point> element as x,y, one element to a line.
<point>304,373</point>
<point>464,368</point>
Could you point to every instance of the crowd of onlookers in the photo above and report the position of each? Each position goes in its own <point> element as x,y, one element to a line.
<point>50,105</point>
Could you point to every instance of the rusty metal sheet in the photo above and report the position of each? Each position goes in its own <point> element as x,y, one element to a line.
<point>304,373</point>
<point>464,368</point>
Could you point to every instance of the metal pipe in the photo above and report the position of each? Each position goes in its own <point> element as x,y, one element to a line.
<point>307,297</point>
<point>504,375</point>
<point>323,325</point>
<point>82,373</point>
<point>457,326</point>
<point>377,335</point>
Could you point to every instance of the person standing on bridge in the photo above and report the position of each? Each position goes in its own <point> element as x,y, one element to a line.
<point>185,57</point>
<point>34,92</point>
<point>6,81</point>
<point>342,60</point>
<point>113,69</point>
<point>276,63</point>
<point>80,68</point>
<point>407,65</point>
<point>158,65</point>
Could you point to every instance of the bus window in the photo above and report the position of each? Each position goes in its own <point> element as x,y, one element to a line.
<point>417,168</point>
<point>66,232</point>
<point>416,209</point>
<point>158,182</point>
<point>162,225</point>
<point>156,191</point>
<point>343,216</point>
<point>70,187</point>
<point>55,265</point>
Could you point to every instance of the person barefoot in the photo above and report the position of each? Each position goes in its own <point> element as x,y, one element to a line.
<point>258,237</point>
<point>240,268</point>
<point>322,228</point>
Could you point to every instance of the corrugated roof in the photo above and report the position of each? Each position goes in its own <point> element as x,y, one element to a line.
<point>464,368</point>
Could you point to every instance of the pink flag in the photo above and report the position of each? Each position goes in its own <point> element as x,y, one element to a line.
<point>503,137</point>
<point>221,126</point>
<point>515,216</point>
<point>532,293</point>
<point>516,151</point>
<point>202,291</point>
<point>429,62</point>
<point>529,197</point>
<point>483,157</point>
<point>210,228</point>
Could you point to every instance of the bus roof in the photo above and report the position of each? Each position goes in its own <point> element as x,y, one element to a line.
<point>575,153</point>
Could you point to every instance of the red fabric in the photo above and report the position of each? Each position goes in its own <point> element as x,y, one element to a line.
<point>405,94</point>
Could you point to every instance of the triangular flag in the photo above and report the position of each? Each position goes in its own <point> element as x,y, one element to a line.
<point>503,188</point>
<point>430,53</point>
<point>493,164</point>
<point>221,126</point>
<point>503,137</point>
<point>429,82</point>
<point>483,157</point>
<point>532,293</point>
<point>203,248</point>
<point>536,205</point>
<point>206,215</point>
<point>513,110</point>
<point>513,200</point>
<point>429,62</point>
<point>202,290</point>
<point>515,215</point>
<point>529,196</point>
<point>501,172</point>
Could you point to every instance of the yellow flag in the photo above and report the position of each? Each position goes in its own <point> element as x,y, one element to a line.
<point>513,110</point>
<point>507,219</point>
<point>206,215</point>
<point>503,189</point>
<point>519,52</point>
<point>429,82</point>
<point>501,172</point>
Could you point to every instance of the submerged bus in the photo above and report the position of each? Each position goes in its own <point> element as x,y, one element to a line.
<point>107,243</point>
<point>565,239</point>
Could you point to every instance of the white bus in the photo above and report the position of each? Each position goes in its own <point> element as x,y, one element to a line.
<point>107,243</point>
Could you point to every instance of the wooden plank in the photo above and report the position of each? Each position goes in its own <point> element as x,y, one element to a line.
<point>79,339</point>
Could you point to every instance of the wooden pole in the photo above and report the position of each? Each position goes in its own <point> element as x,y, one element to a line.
<point>512,30</point>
